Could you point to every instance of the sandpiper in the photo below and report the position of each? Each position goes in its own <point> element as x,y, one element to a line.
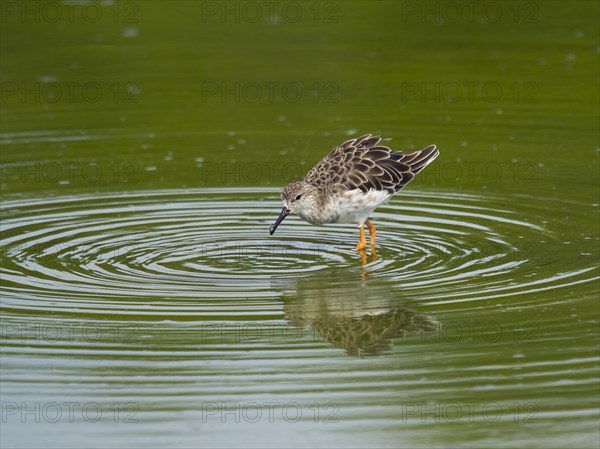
<point>348,184</point>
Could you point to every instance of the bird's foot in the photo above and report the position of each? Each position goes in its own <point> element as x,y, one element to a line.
<point>362,243</point>
<point>361,246</point>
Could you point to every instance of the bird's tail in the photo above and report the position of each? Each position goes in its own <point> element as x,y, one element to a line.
<point>418,160</point>
<point>409,164</point>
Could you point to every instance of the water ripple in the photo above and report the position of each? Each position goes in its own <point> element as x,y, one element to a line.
<point>195,250</point>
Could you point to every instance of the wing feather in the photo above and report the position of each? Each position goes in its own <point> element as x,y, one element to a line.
<point>363,164</point>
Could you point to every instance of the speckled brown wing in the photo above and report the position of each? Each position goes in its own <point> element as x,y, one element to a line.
<point>364,164</point>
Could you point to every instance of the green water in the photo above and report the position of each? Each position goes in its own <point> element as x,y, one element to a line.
<point>144,145</point>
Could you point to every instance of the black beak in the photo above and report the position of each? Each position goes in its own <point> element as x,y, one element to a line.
<point>284,213</point>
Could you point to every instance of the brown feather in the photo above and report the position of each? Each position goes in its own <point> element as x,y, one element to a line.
<point>362,163</point>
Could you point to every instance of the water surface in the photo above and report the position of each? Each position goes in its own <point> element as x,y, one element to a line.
<point>144,302</point>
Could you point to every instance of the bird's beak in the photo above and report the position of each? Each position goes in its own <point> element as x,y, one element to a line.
<point>284,213</point>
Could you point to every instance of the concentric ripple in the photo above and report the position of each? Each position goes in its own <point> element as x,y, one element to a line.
<point>162,250</point>
<point>166,301</point>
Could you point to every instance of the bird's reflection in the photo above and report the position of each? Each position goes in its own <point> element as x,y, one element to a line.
<point>359,317</point>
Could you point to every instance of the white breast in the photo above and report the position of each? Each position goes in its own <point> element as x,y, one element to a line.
<point>355,206</point>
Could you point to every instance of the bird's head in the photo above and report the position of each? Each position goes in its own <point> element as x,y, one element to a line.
<point>298,197</point>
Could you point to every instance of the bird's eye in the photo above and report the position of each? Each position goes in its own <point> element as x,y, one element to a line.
<point>297,197</point>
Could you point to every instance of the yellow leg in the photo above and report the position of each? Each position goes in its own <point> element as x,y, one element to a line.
<point>362,243</point>
<point>371,227</point>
